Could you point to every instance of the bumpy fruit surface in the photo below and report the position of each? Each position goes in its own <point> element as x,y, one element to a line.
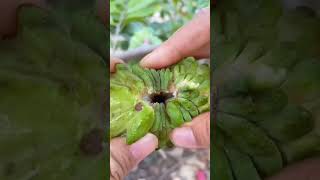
<point>52,88</point>
<point>156,101</point>
<point>266,75</point>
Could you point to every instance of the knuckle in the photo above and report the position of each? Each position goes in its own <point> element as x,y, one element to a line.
<point>116,171</point>
<point>121,163</point>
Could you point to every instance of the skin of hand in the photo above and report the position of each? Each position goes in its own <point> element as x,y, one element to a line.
<point>123,157</point>
<point>193,39</point>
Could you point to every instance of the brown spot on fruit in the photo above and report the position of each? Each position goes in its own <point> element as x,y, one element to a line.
<point>92,142</point>
<point>138,106</point>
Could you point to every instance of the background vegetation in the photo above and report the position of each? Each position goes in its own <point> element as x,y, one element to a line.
<point>134,23</point>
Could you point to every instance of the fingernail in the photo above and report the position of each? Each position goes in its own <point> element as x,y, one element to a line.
<point>145,61</point>
<point>144,146</point>
<point>184,137</point>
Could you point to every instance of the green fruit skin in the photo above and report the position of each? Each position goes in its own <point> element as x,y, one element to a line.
<point>140,124</point>
<point>174,113</point>
<point>221,165</point>
<point>241,165</point>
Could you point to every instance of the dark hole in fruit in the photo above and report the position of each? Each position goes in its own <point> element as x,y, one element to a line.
<point>161,97</point>
<point>92,143</point>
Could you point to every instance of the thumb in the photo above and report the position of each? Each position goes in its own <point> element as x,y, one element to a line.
<point>195,134</point>
<point>123,157</point>
<point>113,62</point>
<point>306,169</point>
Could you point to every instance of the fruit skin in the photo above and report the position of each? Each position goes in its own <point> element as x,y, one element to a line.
<point>159,91</point>
<point>140,123</point>
<point>52,111</point>
<point>222,166</point>
<point>175,114</point>
<point>266,77</point>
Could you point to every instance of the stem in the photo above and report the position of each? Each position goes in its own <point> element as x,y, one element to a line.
<point>120,24</point>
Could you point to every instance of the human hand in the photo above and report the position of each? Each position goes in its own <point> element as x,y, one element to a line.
<point>193,39</point>
<point>186,42</point>
<point>123,157</point>
<point>305,170</point>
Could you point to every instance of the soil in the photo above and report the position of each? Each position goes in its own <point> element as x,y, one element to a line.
<point>173,164</point>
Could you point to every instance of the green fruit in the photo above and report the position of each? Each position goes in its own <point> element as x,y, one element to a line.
<point>156,126</point>
<point>159,91</point>
<point>257,144</point>
<point>222,167</point>
<point>175,114</point>
<point>140,122</point>
<point>52,113</point>
<point>165,129</point>
<point>185,113</point>
<point>151,77</point>
<point>267,83</point>
<point>189,106</point>
<point>241,165</point>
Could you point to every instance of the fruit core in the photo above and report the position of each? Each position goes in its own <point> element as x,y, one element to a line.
<point>160,97</point>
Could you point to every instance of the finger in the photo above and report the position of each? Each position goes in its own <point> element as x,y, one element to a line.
<point>307,169</point>
<point>113,62</point>
<point>125,157</point>
<point>195,134</point>
<point>190,40</point>
<point>8,14</point>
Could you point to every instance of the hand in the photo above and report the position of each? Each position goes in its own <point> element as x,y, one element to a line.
<point>193,39</point>
<point>8,14</point>
<point>123,157</point>
<point>306,170</point>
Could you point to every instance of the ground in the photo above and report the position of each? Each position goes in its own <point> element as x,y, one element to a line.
<point>173,164</point>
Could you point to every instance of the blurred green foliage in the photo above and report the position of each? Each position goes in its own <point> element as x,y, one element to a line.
<point>137,22</point>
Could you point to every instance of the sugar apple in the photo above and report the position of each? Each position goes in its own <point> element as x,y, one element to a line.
<point>266,78</point>
<point>147,100</point>
<point>53,78</point>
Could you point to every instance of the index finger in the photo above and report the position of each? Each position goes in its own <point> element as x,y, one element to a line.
<point>189,39</point>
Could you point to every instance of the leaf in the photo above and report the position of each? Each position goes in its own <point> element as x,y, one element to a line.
<point>144,36</point>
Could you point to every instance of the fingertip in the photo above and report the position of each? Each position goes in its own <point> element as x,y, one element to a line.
<point>183,137</point>
<point>153,138</point>
<point>152,60</point>
<point>146,62</point>
<point>200,118</point>
<point>144,146</point>
<point>163,56</point>
<point>194,134</point>
<point>113,62</point>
